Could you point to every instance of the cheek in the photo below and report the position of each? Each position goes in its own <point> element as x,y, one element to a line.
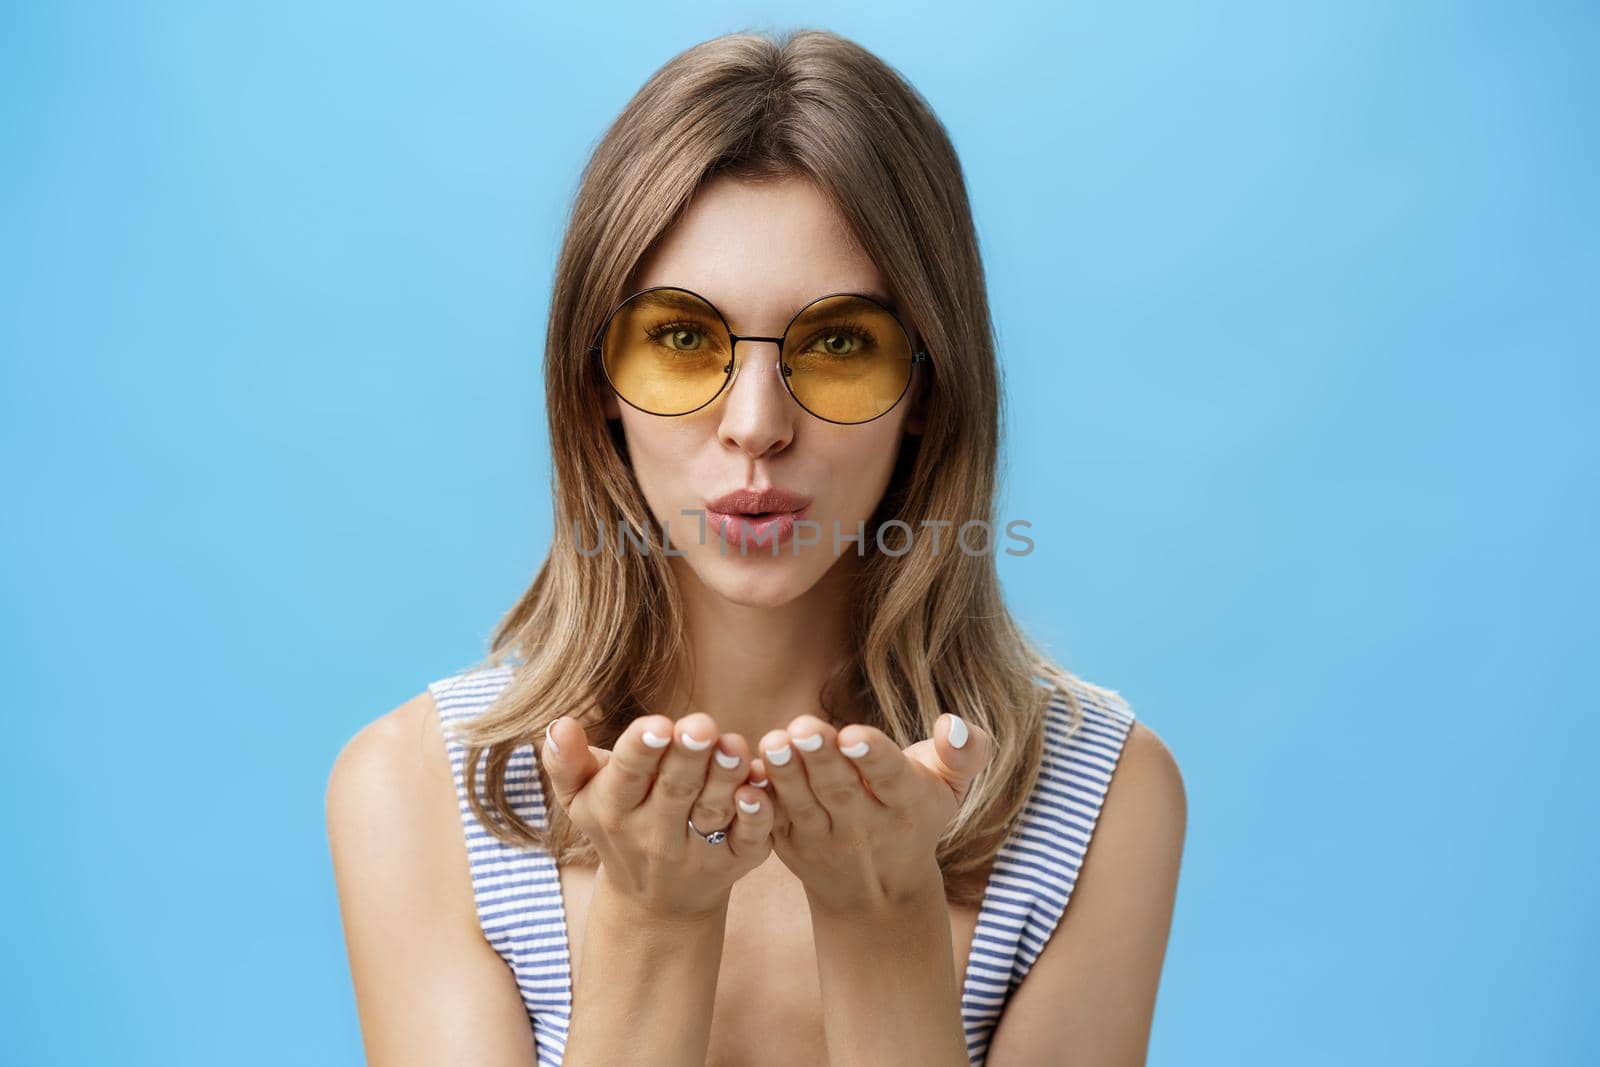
<point>661,453</point>
<point>860,465</point>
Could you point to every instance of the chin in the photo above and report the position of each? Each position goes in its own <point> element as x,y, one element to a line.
<point>757,581</point>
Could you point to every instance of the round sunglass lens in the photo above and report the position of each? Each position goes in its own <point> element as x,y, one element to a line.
<point>848,359</point>
<point>666,351</point>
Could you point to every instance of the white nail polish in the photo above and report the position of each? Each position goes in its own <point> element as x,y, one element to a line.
<point>809,743</point>
<point>779,756</point>
<point>550,739</point>
<point>725,761</point>
<point>691,743</point>
<point>656,742</point>
<point>761,784</point>
<point>855,751</point>
<point>958,732</point>
<point>749,809</point>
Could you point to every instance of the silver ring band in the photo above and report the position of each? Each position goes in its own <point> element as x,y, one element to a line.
<point>715,837</point>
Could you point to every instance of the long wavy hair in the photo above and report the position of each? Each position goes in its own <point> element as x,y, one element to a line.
<point>930,631</point>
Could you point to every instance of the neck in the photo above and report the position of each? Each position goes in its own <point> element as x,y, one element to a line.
<point>755,668</point>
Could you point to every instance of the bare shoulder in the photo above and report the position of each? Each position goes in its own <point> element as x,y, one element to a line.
<point>1093,988</point>
<point>1147,786</point>
<point>390,758</point>
<point>429,988</point>
<point>388,795</point>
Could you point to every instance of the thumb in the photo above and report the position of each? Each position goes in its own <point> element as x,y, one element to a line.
<point>956,752</point>
<point>568,759</point>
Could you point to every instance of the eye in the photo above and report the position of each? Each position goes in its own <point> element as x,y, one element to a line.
<point>680,336</point>
<point>841,341</point>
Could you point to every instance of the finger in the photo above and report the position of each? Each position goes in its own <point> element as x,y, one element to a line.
<point>956,752</point>
<point>568,759</point>
<point>758,772</point>
<point>634,761</point>
<point>751,835</point>
<point>758,778</point>
<point>713,809</point>
<point>682,774</point>
<point>883,766</point>
<point>787,780</point>
<point>834,780</point>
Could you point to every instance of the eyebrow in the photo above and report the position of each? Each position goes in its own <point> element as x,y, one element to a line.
<point>668,298</point>
<point>675,299</point>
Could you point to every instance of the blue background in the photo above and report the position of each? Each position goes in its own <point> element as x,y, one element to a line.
<point>1297,306</point>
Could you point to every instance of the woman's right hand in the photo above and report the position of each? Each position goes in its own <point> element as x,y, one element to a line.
<point>634,804</point>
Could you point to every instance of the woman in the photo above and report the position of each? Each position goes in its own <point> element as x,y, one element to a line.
<point>763,772</point>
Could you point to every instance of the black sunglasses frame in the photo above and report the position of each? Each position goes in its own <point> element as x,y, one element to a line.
<point>920,355</point>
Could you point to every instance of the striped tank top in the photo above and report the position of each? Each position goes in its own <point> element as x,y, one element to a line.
<point>518,890</point>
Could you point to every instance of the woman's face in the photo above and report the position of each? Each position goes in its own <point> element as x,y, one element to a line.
<point>760,252</point>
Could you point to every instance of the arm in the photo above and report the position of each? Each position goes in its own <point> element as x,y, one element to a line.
<point>890,993</point>
<point>653,940</point>
<point>1090,997</point>
<point>860,824</point>
<point>646,986</point>
<point>429,989</point>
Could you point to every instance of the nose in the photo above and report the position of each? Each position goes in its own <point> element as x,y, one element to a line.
<point>757,416</point>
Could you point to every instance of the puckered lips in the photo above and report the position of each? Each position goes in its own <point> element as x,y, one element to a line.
<point>758,517</point>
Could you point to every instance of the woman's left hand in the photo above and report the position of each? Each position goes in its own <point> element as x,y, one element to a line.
<point>858,819</point>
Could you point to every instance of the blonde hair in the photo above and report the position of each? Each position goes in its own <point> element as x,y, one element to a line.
<point>930,631</point>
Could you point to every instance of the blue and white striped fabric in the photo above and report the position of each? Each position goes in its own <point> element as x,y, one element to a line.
<point>518,891</point>
<point>1037,866</point>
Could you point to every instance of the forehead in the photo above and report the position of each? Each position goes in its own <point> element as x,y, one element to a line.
<point>759,251</point>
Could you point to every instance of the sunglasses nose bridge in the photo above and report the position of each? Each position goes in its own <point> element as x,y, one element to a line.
<point>733,355</point>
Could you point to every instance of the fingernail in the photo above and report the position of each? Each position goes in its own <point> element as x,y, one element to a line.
<point>656,742</point>
<point>550,739</point>
<point>725,761</point>
<point>749,809</point>
<point>809,743</point>
<point>690,742</point>
<point>855,751</point>
<point>958,732</point>
<point>779,756</point>
<point>761,784</point>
